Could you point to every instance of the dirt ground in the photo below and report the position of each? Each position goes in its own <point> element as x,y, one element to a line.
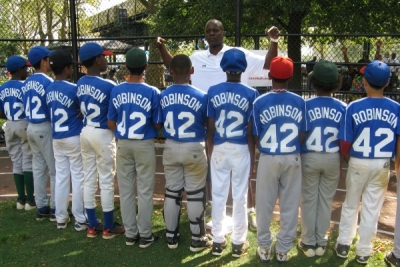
<point>386,220</point>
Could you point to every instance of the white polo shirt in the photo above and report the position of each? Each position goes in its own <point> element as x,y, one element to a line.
<point>208,72</point>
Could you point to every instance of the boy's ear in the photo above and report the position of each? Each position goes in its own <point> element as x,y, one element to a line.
<point>145,67</point>
<point>191,70</point>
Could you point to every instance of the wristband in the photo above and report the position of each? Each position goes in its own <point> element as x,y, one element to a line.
<point>275,40</point>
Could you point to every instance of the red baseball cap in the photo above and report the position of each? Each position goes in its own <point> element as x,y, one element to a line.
<point>281,68</point>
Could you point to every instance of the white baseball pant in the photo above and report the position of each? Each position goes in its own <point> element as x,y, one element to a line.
<point>230,162</point>
<point>67,152</point>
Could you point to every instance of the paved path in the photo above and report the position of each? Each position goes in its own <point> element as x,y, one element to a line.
<point>386,219</point>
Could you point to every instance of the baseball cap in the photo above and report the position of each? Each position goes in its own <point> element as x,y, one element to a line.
<point>38,53</point>
<point>281,68</point>
<point>91,50</point>
<point>16,62</point>
<point>136,58</point>
<point>325,71</point>
<point>234,60</point>
<point>60,58</point>
<point>377,73</point>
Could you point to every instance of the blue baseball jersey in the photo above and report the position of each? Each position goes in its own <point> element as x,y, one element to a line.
<point>231,107</point>
<point>371,125</point>
<point>279,117</point>
<point>34,89</point>
<point>183,111</point>
<point>323,116</point>
<point>11,100</point>
<point>63,104</point>
<point>94,97</point>
<point>134,106</point>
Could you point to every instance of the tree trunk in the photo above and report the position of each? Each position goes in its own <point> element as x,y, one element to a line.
<point>294,47</point>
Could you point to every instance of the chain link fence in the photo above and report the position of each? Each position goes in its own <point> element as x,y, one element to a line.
<point>347,33</point>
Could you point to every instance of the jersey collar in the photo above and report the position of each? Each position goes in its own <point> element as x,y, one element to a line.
<point>224,48</point>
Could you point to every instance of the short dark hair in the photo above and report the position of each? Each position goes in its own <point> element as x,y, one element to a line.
<point>181,64</point>
<point>279,80</point>
<point>374,86</point>
<point>326,87</point>
<point>37,64</point>
<point>15,71</point>
<point>136,71</point>
<point>57,70</point>
<point>88,63</point>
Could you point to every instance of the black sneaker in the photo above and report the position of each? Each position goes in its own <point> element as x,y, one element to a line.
<point>217,248</point>
<point>362,259</point>
<point>172,242</point>
<point>342,251</point>
<point>52,215</point>
<point>320,250</point>
<point>42,213</point>
<point>201,244</point>
<point>392,260</point>
<point>240,250</point>
<point>144,242</point>
<point>130,241</point>
<point>308,250</point>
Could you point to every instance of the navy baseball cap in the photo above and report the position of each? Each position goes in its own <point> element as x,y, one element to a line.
<point>377,73</point>
<point>38,53</point>
<point>234,60</point>
<point>15,63</point>
<point>91,50</point>
<point>61,58</point>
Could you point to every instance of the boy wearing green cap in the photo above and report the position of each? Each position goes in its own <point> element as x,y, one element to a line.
<point>320,158</point>
<point>133,116</point>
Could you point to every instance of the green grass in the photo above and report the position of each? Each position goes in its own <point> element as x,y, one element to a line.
<point>27,242</point>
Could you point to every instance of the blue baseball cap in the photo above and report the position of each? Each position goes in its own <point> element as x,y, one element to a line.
<point>15,63</point>
<point>91,50</point>
<point>377,73</point>
<point>38,53</point>
<point>234,60</point>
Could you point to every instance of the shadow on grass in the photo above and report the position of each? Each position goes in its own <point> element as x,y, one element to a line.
<point>26,242</point>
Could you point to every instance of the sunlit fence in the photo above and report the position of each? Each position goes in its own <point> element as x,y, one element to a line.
<point>311,31</point>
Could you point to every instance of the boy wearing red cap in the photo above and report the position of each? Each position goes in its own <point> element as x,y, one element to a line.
<point>12,109</point>
<point>367,140</point>
<point>278,122</point>
<point>231,150</point>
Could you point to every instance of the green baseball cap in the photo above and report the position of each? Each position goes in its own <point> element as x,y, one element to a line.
<point>325,71</point>
<point>136,58</point>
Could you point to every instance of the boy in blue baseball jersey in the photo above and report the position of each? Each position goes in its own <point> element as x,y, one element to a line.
<point>278,122</point>
<point>132,116</point>
<point>63,105</point>
<point>39,131</point>
<point>368,139</point>
<point>12,109</point>
<point>97,141</point>
<point>184,114</point>
<point>231,150</point>
<point>320,158</point>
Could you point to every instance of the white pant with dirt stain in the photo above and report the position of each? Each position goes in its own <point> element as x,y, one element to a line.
<point>366,180</point>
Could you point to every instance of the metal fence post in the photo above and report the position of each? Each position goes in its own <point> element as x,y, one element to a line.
<point>74,37</point>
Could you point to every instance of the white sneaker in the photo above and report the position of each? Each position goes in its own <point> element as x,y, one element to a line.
<point>264,254</point>
<point>281,257</point>
<point>20,206</point>
<point>63,225</point>
<point>320,250</point>
<point>30,205</point>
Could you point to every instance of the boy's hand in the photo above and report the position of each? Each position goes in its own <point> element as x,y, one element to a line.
<point>344,49</point>
<point>159,42</point>
<point>378,43</point>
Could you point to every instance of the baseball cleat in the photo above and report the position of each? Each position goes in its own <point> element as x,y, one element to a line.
<point>202,243</point>
<point>218,248</point>
<point>63,225</point>
<point>92,231</point>
<point>240,250</point>
<point>144,242</point>
<point>111,233</point>
<point>342,251</point>
<point>130,241</point>
<point>308,250</point>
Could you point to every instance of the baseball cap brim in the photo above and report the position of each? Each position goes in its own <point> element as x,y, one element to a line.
<point>107,53</point>
<point>28,64</point>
